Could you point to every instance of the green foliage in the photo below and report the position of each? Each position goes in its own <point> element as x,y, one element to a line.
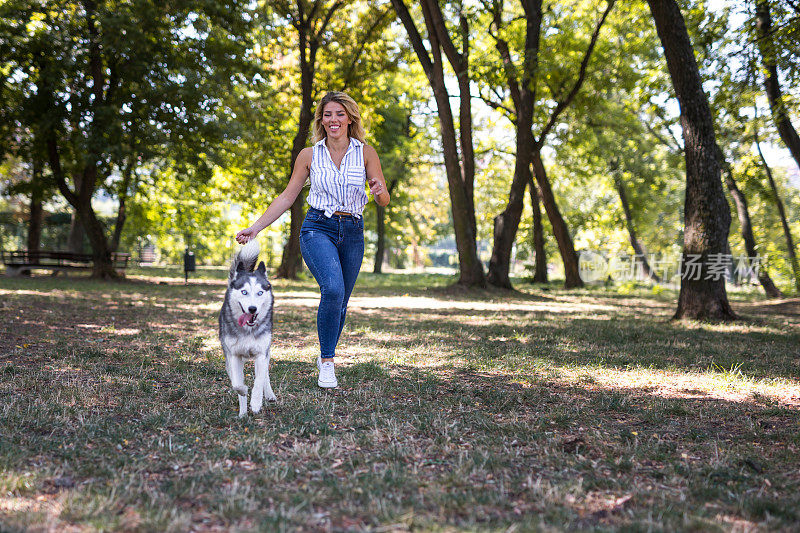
<point>174,213</point>
<point>112,87</point>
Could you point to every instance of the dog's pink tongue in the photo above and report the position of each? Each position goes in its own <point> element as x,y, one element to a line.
<point>245,317</point>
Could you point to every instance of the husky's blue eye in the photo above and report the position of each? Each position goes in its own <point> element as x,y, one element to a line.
<point>244,292</point>
<point>259,293</point>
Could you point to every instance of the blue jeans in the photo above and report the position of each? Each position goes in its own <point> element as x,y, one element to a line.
<point>333,249</point>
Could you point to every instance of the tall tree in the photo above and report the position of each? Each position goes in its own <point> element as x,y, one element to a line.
<point>310,21</point>
<point>776,198</point>
<point>521,83</point>
<point>707,217</point>
<point>330,58</point>
<point>458,170</point>
<point>392,136</point>
<point>720,53</point>
<point>746,225</point>
<point>19,143</point>
<point>640,255</point>
<point>539,253</point>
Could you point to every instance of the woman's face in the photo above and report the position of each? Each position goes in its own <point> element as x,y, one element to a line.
<point>335,120</point>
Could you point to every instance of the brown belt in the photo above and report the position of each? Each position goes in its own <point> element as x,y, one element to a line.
<point>343,213</point>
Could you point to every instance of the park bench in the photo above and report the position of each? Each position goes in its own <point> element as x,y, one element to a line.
<point>20,261</point>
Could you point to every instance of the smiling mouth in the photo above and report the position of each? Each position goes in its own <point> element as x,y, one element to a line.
<point>246,319</point>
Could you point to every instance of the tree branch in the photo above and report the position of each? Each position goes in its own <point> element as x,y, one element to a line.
<point>95,61</point>
<point>414,37</point>
<point>563,104</point>
<point>54,158</point>
<point>505,54</point>
<point>509,113</point>
<point>318,35</point>
<point>673,146</point>
<point>456,59</point>
<point>367,37</point>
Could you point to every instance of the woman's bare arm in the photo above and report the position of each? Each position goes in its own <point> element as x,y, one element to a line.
<point>284,200</point>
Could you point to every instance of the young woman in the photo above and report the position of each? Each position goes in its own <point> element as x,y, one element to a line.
<point>332,236</point>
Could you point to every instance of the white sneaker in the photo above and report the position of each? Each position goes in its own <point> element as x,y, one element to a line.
<point>327,377</point>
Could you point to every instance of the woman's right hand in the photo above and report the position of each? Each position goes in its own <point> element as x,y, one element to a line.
<point>246,235</point>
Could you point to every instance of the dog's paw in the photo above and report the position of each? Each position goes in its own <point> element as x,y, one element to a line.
<point>255,407</point>
<point>270,397</point>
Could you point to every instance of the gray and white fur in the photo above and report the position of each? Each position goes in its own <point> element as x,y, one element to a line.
<point>245,326</point>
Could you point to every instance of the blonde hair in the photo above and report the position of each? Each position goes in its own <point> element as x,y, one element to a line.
<point>355,129</point>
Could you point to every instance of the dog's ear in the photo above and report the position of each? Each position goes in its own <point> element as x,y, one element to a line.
<point>262,268</point>
<point>240,267</point>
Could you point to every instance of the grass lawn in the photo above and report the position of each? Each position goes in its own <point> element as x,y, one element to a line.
<point>545,409</point>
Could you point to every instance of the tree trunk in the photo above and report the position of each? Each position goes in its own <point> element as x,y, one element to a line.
<point>122,212</point>
<point>380,216</point>
<point>36,215</point>
<point>81,201</point>
<point>787,232</point>
<point>35,223</point>
<point>540,269</point>
<point>102,266</point>
<point>77,235</point>
<point>507,222</point>
<point>459,61</point>
<point>641,257</point>
<point>777,105</point>
<point>707,217</point>
<point>291,259</point>
<point>470,269</point>
<point>566,247</point>
<point>747,228</point>
<point>380,244</point>
<point>465,125</point>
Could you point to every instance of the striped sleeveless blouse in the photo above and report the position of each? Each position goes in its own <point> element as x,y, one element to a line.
<point>338,189</point>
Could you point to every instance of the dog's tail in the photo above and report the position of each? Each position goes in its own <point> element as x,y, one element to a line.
<point>246,256</point>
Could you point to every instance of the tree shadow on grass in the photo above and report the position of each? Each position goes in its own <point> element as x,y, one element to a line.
<point>453,446</point>
<point>520,338</point>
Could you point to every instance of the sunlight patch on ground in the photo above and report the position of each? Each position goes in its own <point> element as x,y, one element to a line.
<point>711,385</point>
<point>163,280</point>
<point>122,331</point>
<point>49,293</point>
<point>14,504</point>
<point>731,386</point>
<point>90,326</point>
<point>308,299</point>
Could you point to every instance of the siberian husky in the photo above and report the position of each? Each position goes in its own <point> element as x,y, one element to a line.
<point>245,326</point>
